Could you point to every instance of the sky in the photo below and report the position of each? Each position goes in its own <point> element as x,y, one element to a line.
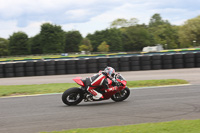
<point>88,16</point>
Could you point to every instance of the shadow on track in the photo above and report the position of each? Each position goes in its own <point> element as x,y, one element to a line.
<point>94,104</point>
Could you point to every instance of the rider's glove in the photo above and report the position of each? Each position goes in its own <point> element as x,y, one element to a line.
<point>118,84</point>
<point>115,83</point>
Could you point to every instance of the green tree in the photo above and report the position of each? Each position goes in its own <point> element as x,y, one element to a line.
<point>85,45</point>
<point>35,44</point>
<point>157,20</point>
<point>121,22</point>
<point>114,39</point>
<point>3,47</point>
<point>163,32</point>
<point>103,47</point>
<point>136,37</point>
<point>52,38</point>
<point>97,38</point>
<point>18,44</point>
<point>72,41</point>
<point>189,33</point>
<point>166,35</point>
<point>112,36</point>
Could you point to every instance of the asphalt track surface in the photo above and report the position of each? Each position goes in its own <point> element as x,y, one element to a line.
<point>33,114</point>
<point>191,75</point>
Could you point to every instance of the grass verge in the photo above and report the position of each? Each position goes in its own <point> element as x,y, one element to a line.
<point>12,58</point>
<point>148,83</point>
<point>9,90</point>
<point>180,126</point>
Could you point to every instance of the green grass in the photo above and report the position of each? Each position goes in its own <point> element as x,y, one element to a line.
<point>36,57</point>
<point>8,90</point>
<point>28,57</point>
<point>180,126</point>
<point>11,58</point>
<point>147,83</point>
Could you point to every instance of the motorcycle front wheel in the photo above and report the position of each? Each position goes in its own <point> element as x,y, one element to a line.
<point>122,95</point>
<point>72,96</point>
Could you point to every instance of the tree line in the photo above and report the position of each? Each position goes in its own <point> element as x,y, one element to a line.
<point>122,35</point>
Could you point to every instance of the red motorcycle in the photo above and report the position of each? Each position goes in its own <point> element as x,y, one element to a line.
<point>75,95</point>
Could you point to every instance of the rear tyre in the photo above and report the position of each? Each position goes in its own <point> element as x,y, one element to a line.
<point>122,95</point>
<point>72,96</point>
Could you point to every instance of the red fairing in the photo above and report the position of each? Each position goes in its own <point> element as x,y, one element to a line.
<point>79,81</point>
<point>124,82</point>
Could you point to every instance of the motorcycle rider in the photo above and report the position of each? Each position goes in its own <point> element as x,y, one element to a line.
<point>100,79</point>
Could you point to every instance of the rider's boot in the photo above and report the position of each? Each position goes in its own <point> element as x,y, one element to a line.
<point>98,96</point>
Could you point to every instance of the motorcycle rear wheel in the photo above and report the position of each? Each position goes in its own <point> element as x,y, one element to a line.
<point>122,95</point>
<point>72,96</point>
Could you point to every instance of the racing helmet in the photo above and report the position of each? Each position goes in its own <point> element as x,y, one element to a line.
<point>110,72</point>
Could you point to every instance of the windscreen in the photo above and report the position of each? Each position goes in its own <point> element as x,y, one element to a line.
<point>120,77</point>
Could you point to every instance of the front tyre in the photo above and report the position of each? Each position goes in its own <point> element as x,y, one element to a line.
<point>72,96</point>
<point>122,95</point>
